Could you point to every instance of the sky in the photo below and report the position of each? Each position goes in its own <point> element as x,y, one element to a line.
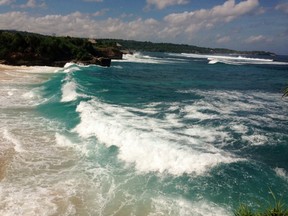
<point>234,24</point>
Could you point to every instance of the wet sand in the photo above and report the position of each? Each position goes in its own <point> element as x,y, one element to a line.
<point>5,158</point>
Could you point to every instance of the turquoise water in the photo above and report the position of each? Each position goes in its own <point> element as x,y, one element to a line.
<point>154,134</point>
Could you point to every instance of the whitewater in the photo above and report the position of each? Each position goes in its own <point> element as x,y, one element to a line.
<point>154,134</point>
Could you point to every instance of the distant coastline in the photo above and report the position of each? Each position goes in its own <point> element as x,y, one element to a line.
<point>178,48</point>
<point>31,49</point>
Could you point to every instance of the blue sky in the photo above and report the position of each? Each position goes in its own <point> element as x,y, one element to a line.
<point>234,24</point>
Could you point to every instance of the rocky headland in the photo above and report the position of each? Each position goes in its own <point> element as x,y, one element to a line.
<point>22,48</point>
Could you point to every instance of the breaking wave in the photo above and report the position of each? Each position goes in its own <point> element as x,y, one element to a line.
<point>234,60</point>
<point>148,144</point>
<point>138,57</point>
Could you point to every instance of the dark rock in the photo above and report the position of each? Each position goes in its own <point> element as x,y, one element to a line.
<point>102,61</point>
<point>110,52</point>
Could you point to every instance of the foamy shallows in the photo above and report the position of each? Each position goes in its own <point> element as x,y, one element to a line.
<point>24,75</point>
<point>18,85</point>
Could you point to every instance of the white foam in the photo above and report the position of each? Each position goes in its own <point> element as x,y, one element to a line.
<point>194,112</point>
<point>69,92</point>
<point>69,85</point>
<point>170,206</point>
<point>71,69</point>
<point>238,58</point>
<point>147,143</point>
<point>57,196</point>
<point>66,143</point>
<point>69,64</point>
<point>239,128</point>
<point>212,61</point>
<point>62,141</point>
<point>26,201</point>
<point>207,135</point>
<point>138,57</point>
<point>235,60</point>
<point>242,112</point>
<point>20,96</point>
<point>11,138</point>
<point>256,139</point>
<point>29,69</point>
<point>281,173</point>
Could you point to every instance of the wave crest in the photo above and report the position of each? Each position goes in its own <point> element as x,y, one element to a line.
<point>146,143</point>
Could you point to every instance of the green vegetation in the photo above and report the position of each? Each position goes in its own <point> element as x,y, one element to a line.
<point>30,48</point>
<point>52,48</point>
<point>172,48</point>
<point>285,92</point>
<point>278,208</point>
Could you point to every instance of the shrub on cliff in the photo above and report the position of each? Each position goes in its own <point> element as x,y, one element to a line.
<point>276,208</point>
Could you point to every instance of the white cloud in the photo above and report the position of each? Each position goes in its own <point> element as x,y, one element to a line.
<point>260,11</point>
<point>184,25</point>
<point>6,2</point>
<point>101,12</point>
<point>81,25</point>
<point>93,0</point>
<point>31,4</point>
<point>193,21</point>
<point>226,12</point>
<point>257,39</point>
<point>224,39</point>
<point>282,7</point>
<point>161,4</point>
<point>177,27</point>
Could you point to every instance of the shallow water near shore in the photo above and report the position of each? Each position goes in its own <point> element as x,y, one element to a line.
<point>154,134</point>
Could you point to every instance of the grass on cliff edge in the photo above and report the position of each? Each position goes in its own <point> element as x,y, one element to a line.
<point>278,208</point>
<point>285,94</point>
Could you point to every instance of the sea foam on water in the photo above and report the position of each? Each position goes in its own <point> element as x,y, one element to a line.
<point>149,150</point>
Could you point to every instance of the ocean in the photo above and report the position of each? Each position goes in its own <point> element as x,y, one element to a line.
<point>154,134</point>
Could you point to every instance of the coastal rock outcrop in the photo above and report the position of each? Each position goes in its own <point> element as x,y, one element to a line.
<point>102,61</point>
